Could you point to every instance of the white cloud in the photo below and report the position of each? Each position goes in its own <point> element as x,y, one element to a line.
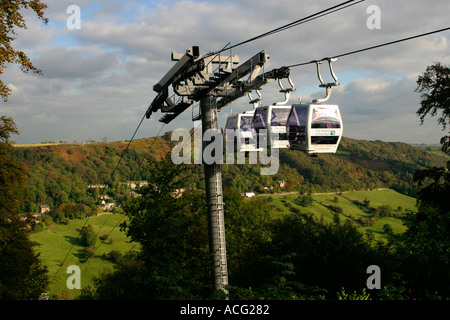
<point>74,63</point>
<point>98,80</point>
<point>44,118</point>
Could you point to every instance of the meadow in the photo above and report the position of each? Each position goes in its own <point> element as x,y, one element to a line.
<point>59,243</point>
<point>363,218</point>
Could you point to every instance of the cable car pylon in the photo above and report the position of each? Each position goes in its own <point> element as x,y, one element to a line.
<point>194,79</point>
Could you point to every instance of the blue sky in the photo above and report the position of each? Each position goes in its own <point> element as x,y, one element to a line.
<point>98,80</point>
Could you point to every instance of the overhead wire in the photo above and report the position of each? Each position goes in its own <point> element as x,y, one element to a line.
<point>295,23</point>
<point>151,146</point>
<point>370,48</point>
<point>227,47</point>
<point>104,189</point>
<point>314,16</point>
<point>132,175</point>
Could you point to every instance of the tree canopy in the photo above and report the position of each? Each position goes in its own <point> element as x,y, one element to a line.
<point>434,86</point>
<point>427,239</point>
<point>21,276</point>
<point>11,19</point>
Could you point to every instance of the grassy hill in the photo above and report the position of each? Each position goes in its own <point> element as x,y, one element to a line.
<point>56,242</point>
<point>367,219</point>
<point>61,173</point>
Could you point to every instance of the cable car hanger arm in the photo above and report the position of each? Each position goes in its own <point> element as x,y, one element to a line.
<point>256,84</point>
<point>328,86</point>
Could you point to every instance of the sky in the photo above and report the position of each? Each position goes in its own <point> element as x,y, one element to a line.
<point>97,80</point>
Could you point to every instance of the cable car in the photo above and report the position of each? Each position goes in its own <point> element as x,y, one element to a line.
<point>314,128</point>
<point>270,120</point>
<point>242,134</point>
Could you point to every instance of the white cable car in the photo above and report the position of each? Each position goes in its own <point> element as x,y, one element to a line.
<point>238,130</point>
<point>314,128</point>
<point>270,120</point>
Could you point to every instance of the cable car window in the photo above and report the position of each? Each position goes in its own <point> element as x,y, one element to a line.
<point>259,119</point>
<point>325,117</point>
<point>279,117</point>
<point>324,140</point>
<point>231,123</point>
<point>246,123</point>
<point>297,124</point>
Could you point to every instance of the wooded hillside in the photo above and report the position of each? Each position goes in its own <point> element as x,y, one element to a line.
<point>62,173</point>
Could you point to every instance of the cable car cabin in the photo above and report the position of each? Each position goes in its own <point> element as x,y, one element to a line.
<point>242,134</point>
<point>270,120</point>
<point>315,128</point>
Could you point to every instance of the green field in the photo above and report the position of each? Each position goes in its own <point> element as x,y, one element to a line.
<point>57,242</point>
<point>320,208</point>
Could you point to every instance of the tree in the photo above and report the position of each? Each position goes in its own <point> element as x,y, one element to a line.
<point>426,241</point>
<point>247,229</point>
<point>434,86</point>
<point>306,201</point>
<point>320,251</point>
<point>173,260</point>
<point>88,236</point>
<point>387,228</point>
<point>21,276</point>
<point>11,18</point>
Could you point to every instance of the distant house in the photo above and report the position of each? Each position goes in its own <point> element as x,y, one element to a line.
<point>97,186</point>
<point>109,206</point>
<point>178,193</point>
<point>282,184</point>
<point>134,194</point>
<point>131,184</point>
<point>249,194</point>
<point>44,209</point>
<point>142,184</point>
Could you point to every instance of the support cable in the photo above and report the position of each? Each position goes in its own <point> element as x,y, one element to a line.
<point>92,210</point>
<point>311,17</point>
<point>151,146</point>
<point>370,48</point>
<point>139,166</point>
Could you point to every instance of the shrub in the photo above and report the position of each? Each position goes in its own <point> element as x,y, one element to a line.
<point>88,236</point>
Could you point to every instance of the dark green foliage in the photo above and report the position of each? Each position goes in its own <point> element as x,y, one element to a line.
<point>434,86</point>
<point>70,211</point>
<point>297,257</point>
<point>56,176</point>
<point>305,201</point>
<point>435,183</point>
<point>329,256</point>
<point>247,224</point>
<point>88,236</point>
<point>21,273</point>
<point>423,253</point>
<point>172,232</point>
<point>425,245</point>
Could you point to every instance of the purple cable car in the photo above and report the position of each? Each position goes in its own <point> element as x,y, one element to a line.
<point>314,128</point>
